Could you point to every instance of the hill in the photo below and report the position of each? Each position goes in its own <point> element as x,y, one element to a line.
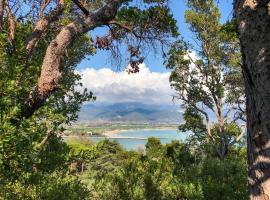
<point>129,112</point>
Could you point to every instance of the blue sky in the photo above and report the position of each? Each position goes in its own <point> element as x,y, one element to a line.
<point>154,60</point>
<point>151,85</point>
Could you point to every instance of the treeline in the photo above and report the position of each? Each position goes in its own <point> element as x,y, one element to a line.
<point>42,42</point>
<point>161,172</point>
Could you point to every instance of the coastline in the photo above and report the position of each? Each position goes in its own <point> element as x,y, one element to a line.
<point>112,133</point>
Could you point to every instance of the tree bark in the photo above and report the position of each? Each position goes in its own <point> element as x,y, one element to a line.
<point>253,19</point>
<point>41,26</point>
<point>50,76</point>
<point>2,5</point>
<point>12,25</point>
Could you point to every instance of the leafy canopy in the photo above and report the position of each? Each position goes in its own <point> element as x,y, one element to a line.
<point>207,78</point>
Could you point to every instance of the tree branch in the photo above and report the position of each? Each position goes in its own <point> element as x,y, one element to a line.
<point>130,30</point>
<point>236,140</point>
<point>12,25</point>
<point>41,26</point>
<point>43,6</point>
<point>126,27</point>
<point>50,77</point>
<point>46,138</point>
<point>208,123</point>
<point>82,7</point>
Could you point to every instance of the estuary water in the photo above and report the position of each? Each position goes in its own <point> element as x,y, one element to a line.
<point>134,139</point>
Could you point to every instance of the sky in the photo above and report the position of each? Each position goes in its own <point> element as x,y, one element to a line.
<point>110,83</point>
<point>145,87</point>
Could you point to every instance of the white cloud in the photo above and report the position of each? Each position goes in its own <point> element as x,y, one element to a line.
<point>145,86</point>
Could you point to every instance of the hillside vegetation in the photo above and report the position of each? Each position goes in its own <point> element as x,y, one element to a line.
<point>171,171</point>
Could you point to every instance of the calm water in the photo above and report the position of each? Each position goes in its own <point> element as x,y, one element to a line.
<point>166,136</point>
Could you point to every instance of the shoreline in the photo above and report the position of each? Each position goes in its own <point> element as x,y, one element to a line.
<point>118,131</point>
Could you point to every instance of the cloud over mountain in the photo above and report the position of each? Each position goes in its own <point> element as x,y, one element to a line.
<point>145,86</point>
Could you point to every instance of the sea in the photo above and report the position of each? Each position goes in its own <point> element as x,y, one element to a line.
<point>136,139</point>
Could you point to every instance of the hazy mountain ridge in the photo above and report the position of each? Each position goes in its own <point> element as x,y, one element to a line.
<point>130,112</point>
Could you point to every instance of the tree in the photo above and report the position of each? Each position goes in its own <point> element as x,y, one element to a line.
<point>151,176</point>
<point>41,42</point>
<point>225,179</point>
<point>208,80</point>
<point>171,171</point>
<point>254,26</point>
<point>120,16</point>
<point>32,154</point>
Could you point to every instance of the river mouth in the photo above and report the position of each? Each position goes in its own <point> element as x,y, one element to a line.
<point>137,139</point>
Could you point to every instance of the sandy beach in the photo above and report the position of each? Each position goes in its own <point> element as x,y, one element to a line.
<point>115,132</point>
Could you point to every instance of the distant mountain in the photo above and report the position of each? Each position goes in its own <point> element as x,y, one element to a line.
<point>129,112</point>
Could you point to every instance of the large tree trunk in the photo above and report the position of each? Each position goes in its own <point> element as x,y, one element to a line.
<point>253,18</point>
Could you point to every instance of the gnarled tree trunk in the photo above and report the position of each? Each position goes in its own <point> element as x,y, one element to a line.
<point>51,75</point>
<point>253,18</point>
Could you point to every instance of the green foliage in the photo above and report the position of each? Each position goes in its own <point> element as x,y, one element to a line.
<point>194,121</point>
<point>171,171</point>
<point>53,186</point>
<point>164,23</point>
<point>149,176</point>
<point>154,147</point>
<point>208,79</point>
<point>33,156</point>
<point>35,163</point>
<point>24,161</point>
<point>221,178</point>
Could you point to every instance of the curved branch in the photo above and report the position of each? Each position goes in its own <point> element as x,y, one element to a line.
<point>50,77</point>
<point>43,6</point>
<point>130,30</point>
<point>41,26</point>
<point>208,123</point>
<point>236,140</point>
<point>46,138</point>
<point>82,7</point>
<point>126,27</point>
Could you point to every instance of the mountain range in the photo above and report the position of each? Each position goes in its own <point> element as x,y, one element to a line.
<point>129,112</point>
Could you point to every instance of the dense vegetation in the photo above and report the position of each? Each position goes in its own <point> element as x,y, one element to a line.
<point>207,78</point>
<point>162,172</point>
<point>41,43</point>
<point>32,155</point>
